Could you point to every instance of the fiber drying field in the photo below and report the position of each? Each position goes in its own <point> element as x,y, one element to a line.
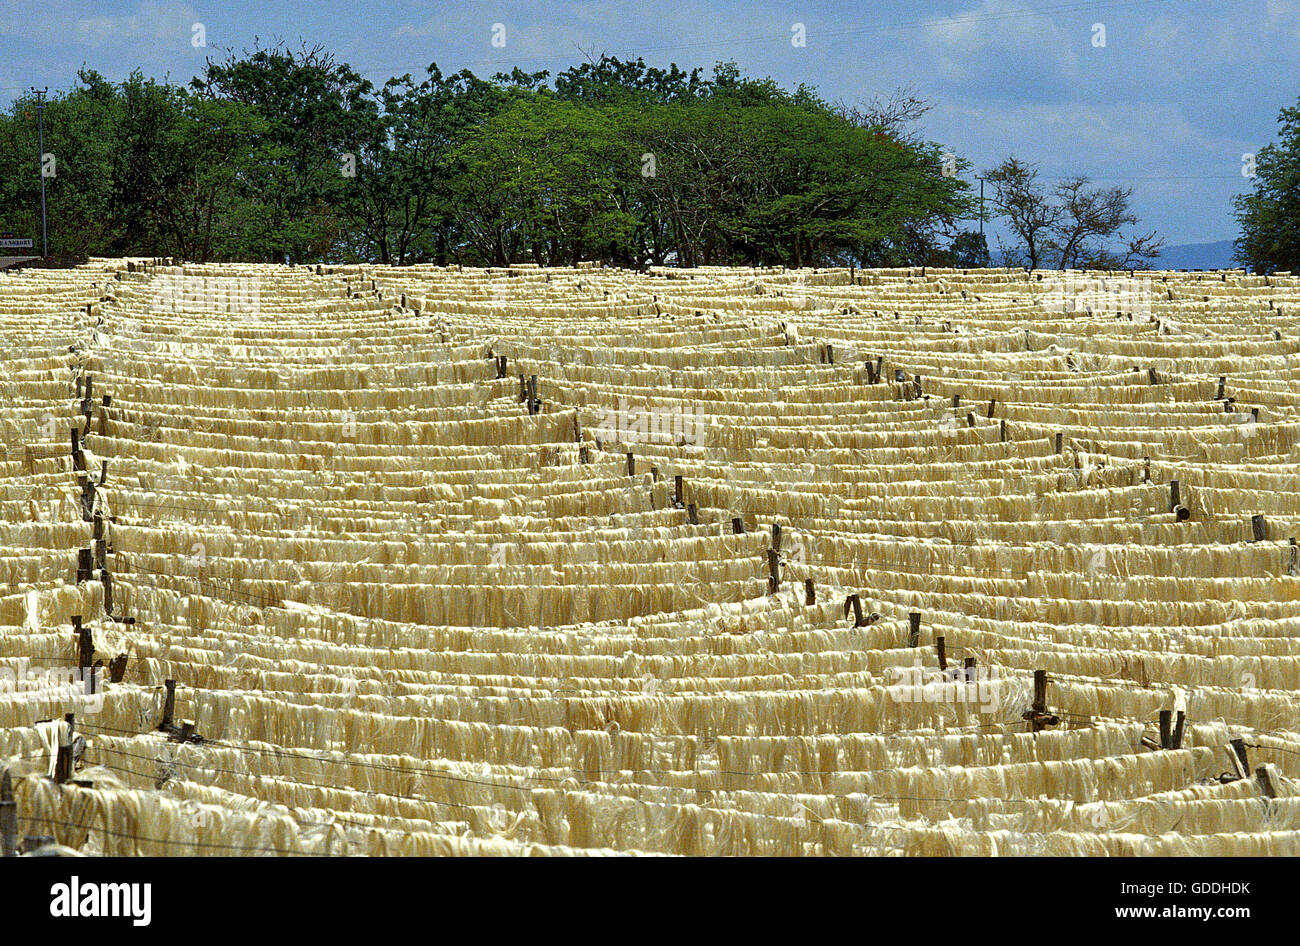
<point>413,604</point>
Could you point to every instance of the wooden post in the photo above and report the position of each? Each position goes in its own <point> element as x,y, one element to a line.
<point>169,704</point>
<point>1259,528</point>
<point>1059,441</point>
<point>737,526</point>
<point>776,536</point>
<point>85,646</point>
<point>691,516</point>
<point>1239,757</point>
<point>1151,375</point>
<point>1174,499</point>
<point>85,564</point>
<point>941,649</point>
<point>969,667</point>
<point>1265,781</point>
<point>631,464</point>
<point>64,760</point>
<point>855,603</point>
<point>914,630</point>
<point>1002,430</point>
<point>1166,729</point>
<point>809,592</point>
<point>1040,700</point>
<point>8,817</point>
<point>1219,396</point>
<point>534,404</point>
<point>523,389</point>
<point>773,571</point>
<point>992,404</point>
<point>1177,740</point>
<point>677,489</point>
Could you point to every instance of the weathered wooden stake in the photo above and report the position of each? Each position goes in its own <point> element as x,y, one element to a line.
<point>8,817</point>
<point>1040,699</point>
<point>1265,781</point>
<point>117,668</point>
<point>809,592</point>
<point>1166,729</point>
<point>1239,757</point>
<point>169,704</point>
<point>85,646</point>
<point>85,564</point>
<point>914,629</point>
<point>941,649</point>
<point>1259,528</point>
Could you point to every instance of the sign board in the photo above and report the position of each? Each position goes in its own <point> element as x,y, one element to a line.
<point>7,243</point>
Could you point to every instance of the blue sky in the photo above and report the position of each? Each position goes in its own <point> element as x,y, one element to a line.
<point>1178,93</point>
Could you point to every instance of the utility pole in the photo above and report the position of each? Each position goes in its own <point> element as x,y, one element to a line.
<point>40,126</point>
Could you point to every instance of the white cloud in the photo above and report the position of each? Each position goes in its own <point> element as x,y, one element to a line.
<point>153,20</point>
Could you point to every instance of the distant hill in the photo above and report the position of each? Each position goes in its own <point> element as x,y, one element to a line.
<point>1217,255</point>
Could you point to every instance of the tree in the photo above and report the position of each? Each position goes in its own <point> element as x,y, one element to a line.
<point>318,113</point>
<point>970,250</point>
<point>276,153</point>
<point>1031,213</point>
<point>1072,231</point>
<point>1269,215</point>
<point>1091,216</point>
